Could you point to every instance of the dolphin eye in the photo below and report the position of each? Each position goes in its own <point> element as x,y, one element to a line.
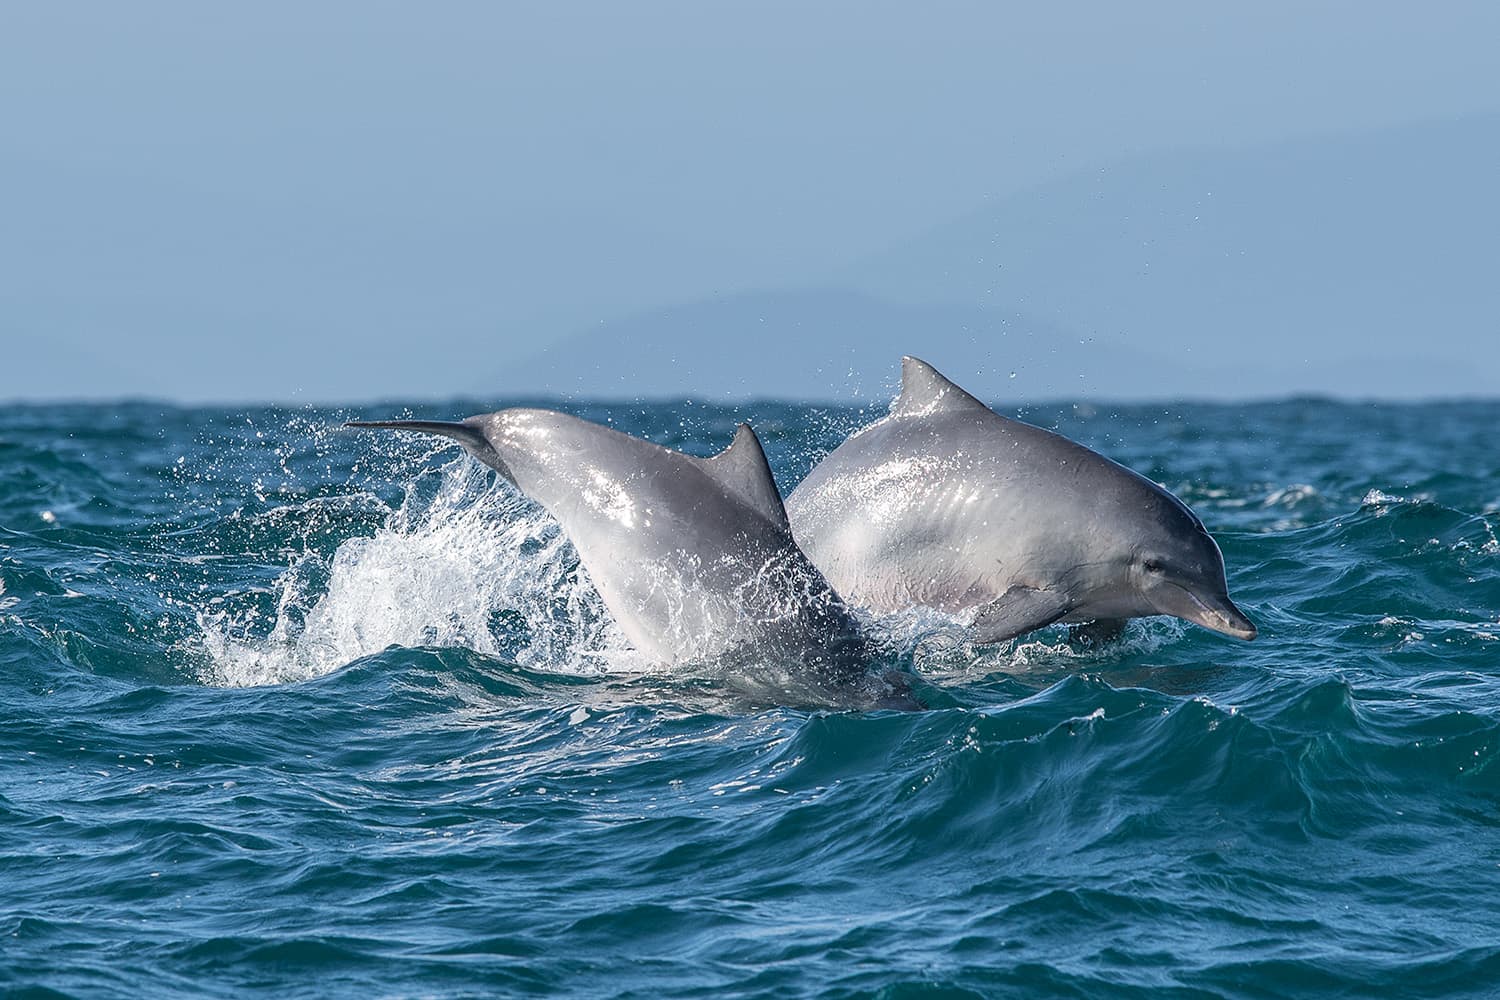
<point>1152,565</point>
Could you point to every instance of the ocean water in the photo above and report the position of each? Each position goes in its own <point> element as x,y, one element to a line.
<point>289,710</point>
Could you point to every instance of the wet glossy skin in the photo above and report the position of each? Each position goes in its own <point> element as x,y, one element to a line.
<point>692,556</point>
<point>946,504</point>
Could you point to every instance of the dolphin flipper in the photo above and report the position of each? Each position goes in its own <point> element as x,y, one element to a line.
<point>1017,611</point>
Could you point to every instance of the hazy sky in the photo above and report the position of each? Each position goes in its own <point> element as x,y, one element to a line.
<point>350,200</point>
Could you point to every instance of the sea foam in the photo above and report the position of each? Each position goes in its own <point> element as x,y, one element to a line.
<point>464,561</point>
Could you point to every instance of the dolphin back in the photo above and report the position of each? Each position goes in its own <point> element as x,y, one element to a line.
<point>692,555</point>
<point>945,503</point>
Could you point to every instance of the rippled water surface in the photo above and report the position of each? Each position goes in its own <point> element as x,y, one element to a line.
<point>293,710</point>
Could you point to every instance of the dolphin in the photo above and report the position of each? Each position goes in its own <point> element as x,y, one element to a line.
<point>946,504</point>
<point>694,557</point>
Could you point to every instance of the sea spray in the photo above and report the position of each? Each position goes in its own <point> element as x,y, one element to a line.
<point>1175,814</point>
<point>463,560</point>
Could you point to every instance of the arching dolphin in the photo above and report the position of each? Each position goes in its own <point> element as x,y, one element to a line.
<point>946,504</point>
<point>693,556</point>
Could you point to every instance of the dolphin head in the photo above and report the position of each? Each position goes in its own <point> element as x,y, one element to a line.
<point>1176,568</point>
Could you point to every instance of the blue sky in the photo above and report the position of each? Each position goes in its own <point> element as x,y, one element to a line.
<point>343,201</point>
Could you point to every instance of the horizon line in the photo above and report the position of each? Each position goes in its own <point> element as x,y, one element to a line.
<point>1350,399</point>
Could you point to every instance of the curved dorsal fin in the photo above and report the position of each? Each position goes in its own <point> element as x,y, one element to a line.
<point>924,390</point>
<point>742,467</point>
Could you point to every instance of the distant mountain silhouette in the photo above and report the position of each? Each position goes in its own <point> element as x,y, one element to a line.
<point>825,345</point>
<point>1358,265</point>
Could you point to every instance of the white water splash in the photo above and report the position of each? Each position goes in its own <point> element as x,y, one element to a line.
<point>1380,501</point>
<point>1290,496</point>
<point>938,645</point>
<point>473,565</point>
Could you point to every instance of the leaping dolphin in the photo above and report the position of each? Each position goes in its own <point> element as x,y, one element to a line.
<point>946,504</point>
<point>694,557</point>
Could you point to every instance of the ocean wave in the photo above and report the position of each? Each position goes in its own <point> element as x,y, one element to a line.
<point>286,706</point>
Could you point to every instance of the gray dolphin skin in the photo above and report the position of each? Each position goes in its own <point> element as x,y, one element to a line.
<point>693,556</point>
<point>946,504</point>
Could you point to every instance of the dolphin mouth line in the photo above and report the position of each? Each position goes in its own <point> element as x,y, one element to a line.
<point>1218,621</point>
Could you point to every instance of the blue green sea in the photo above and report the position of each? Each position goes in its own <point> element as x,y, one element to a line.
<point>290,710</point>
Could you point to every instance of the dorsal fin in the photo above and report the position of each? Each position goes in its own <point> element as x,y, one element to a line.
<point>924,390</point>
<point>742,467</point>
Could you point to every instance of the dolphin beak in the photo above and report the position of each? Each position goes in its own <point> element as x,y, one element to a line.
<point>1217,613</point>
